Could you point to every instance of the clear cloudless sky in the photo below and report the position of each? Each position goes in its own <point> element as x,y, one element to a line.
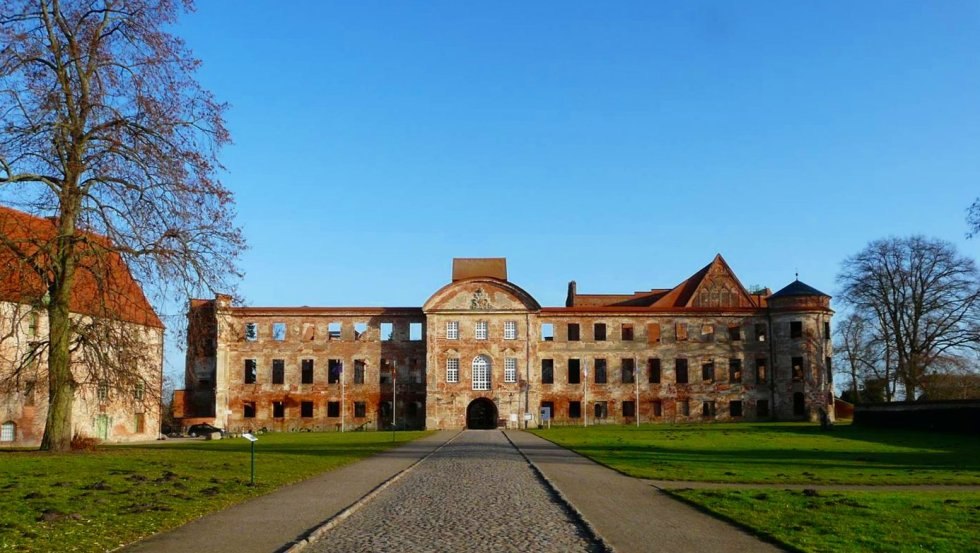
<point>619,144</point>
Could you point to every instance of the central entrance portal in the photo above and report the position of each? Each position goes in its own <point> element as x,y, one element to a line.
<point>481,414</point>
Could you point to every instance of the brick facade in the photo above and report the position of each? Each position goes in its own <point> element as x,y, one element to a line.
<point>482,352</point>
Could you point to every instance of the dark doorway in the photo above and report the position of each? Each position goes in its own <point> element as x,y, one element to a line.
<point>481,414</point>
<point>799,407</point>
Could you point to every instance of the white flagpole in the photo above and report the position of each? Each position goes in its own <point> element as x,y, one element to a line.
<point>585,414</point>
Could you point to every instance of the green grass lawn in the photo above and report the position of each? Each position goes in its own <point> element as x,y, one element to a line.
<point>777,453</point>
<point>853,521</point>
<point>100,500</point>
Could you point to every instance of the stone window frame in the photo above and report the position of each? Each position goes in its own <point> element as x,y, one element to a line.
<point>452,369</point>
<point>481,330</point>
<point>510,330</point>
<point>510,370</point>
<point>452,330</point>
<point>480,373</point>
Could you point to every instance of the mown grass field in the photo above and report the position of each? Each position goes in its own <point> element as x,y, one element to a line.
<point>832,521</point>
<point>773,454</point>
<point>777,453</point>
<point>97,501</point>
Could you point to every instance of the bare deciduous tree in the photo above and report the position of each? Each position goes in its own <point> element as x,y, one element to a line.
<point>923,299</point>
<point>973,219</point>
<point>104,129</point>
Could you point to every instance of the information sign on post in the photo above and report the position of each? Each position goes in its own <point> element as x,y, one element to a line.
<point>252,439</point>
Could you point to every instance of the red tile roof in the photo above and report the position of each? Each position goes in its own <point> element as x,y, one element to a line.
<point>103,285</point>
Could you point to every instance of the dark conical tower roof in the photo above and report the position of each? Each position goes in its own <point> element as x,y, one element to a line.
<point>797,288</point>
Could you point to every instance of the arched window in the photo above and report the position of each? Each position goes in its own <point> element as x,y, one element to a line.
<point>481,373</point>
<point>8,432</point>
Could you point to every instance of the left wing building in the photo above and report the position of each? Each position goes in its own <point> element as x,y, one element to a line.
<point>481,352</point>
<point>111,404</point>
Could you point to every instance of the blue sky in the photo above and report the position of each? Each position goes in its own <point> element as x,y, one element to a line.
<point>619,144</point>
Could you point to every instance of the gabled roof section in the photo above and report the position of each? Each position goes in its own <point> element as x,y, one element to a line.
<point>714,286</point>
<point>797,288</point>
<point>479,267</point>
<point>103,286</point>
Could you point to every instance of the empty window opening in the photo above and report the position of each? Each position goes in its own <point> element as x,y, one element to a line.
<point>627,333</point>
<point>309,332</point>
<point>251,332</point>
<point>335,370</point>
<point>574,409</point>
<point>760,371</point>
<point>629,408</point>
<point>307,371</point>
<point>658,408</point>
<point>510,370</point>
<point>574,371</point>
<point>279,331</point>
<point>600,371</point>
<point>574,334</point>
<point>333,409</point>
<point>547,371</point>
<point>796,329</point>
<point>360,409</point>
<point>510,330</point>
<point>684,408</point>
<point>387,332</point>
<point>599,331</point>
<point>415,332</point>
<point>735,408</point>
<point>653,333</point>
<point>547,332</point>
<point>707,332</point>
<point>359,370</point>
<point>334,330</point>
<point>248,410</point>
<point>826,330</point>
<point>278,371</point>
<point>360,329</point>
<point>708,372</point>
<point>278,410</point>
<point>452,369</point>
<point>251,370</point>
<point>734,333</point>
<point>799,405</point>
<point>797,368</point>
<point>627,371</point>
<point>761,332</point>
<point>762,408</point>
<point>653,370</point>
<point>480,330</point>
<point>8,432</point>
<point>680,371</point>
<point>735,370</point>
<point>708,409</point>
<point>680,330</point>
<point>306,409</point>
<point>600,410</point>
<point>452,330</point>
<point>827,362</point>
<point>481,373</point>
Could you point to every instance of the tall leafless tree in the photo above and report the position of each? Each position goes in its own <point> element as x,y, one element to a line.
<point>973,219</point>
<point>104,129</point>
<point>923,298</point>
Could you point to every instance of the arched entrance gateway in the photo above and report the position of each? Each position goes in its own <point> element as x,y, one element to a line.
<point>481,414</point>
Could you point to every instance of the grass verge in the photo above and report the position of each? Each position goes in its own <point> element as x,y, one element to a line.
<point>777,453</point>
<point>100,500</point>
<point>877,521</point>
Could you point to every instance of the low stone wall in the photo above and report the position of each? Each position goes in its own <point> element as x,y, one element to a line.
<point>941,416</point>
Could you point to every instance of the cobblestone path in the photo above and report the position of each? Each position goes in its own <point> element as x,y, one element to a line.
<point>475,494</point>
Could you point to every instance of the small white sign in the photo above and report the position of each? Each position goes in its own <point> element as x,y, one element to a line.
<point>250,437</point>
<point>528,416</point>
<point>513,417</point>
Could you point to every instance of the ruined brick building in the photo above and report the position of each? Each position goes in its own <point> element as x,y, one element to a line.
<point>481,352</point>
<point>106,300</point>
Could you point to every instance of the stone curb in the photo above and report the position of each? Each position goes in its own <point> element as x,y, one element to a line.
<point>576,514</point>
<point>318,532</point>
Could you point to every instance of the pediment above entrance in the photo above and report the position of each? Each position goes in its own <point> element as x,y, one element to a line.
<point>481,295</point>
